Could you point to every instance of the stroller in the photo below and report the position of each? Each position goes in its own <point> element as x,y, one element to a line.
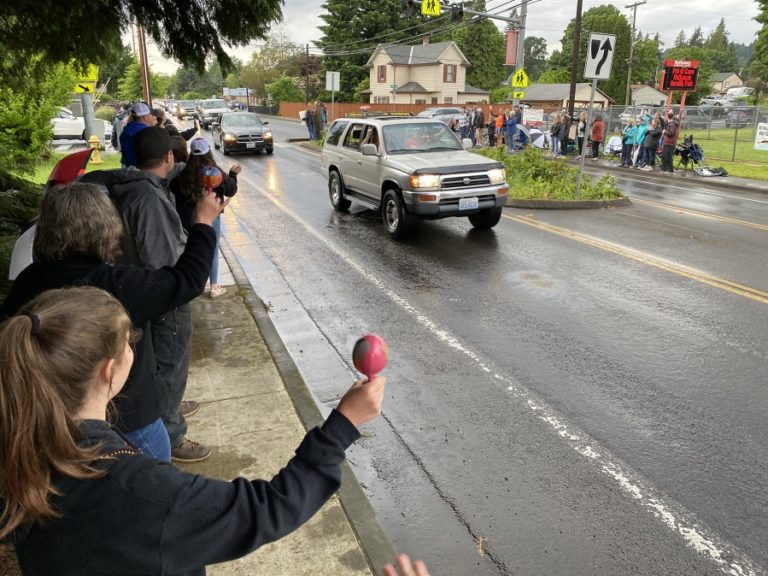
<point>613,148</point>
<point>693,155</point>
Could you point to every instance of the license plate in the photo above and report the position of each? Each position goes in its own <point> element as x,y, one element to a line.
<point>468,203</point>
<point>250,144</point>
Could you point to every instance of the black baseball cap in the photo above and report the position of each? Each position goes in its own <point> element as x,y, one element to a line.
<point>151,144</point>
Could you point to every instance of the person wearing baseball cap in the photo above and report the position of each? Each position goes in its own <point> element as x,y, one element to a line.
<point>141,117</point>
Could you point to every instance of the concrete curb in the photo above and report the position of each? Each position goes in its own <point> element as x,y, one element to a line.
<point>567,204</point>
<point>373,540</point>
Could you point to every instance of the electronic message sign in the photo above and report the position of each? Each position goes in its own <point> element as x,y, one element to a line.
<point>680,74</point>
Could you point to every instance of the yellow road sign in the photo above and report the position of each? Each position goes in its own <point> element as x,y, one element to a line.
<point>90,74</point>
<point>518,95</point>
<point>519,79</point>
<point>430,7</point>
<point>85,87</point>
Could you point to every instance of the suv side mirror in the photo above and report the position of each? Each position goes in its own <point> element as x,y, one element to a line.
<point>369,150</point>
<point>266,123</point>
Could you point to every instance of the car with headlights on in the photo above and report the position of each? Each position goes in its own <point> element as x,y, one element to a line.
<point>184,109</point>
<point>241,132</point>
<point>410,169</point>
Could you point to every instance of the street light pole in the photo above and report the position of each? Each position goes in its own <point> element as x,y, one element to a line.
<point>634,6</point>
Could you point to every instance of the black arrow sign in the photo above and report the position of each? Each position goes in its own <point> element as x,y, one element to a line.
<point>84,87</point>
<point>606,50</point>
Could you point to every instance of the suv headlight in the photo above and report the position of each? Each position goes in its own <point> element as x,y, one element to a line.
<point>267,135</point>
<point>230,138</point>
<point>497,175</point>
<point>424,180</point>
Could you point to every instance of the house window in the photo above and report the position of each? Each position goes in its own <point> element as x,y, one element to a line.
<point>448,100</point>
<point>449,72</point>
<point>381,73</point>
<point>421,101</point>
<point>434,100</point>
<point>382,100</point>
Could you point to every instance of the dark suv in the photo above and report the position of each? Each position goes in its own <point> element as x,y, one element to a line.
<point>241,132</point>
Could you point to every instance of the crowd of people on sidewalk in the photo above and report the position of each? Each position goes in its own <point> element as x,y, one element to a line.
<point>94,343</point>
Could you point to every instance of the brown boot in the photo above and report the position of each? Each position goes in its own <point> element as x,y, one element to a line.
<point>190,451</point>
<point>189,407</point>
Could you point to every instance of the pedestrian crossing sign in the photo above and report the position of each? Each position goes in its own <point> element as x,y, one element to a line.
<point>518,95</point>
<point>519,79</point>
<point>430,8</point>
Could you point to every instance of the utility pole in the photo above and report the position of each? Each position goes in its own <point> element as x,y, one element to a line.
<point>575,59</point>
<point>627,98</point>
<point>144,66</point>
<point>520,58</point>
<point>306,75</point>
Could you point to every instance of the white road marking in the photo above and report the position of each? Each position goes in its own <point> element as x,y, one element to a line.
<point>682,522</point>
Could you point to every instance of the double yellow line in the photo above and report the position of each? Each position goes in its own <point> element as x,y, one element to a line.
<point>660,263</point>
<point>702,214</point>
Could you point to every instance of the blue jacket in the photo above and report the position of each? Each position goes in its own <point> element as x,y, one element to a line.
<point>640,135</point>
<point>126,142</point>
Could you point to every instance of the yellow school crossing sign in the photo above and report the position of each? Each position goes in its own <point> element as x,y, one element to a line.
<point>518,95</point>
<point>519,79</point>
<point>430,8</point>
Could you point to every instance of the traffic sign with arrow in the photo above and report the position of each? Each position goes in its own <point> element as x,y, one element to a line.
<point>599,56</point>
<point>518,95</point>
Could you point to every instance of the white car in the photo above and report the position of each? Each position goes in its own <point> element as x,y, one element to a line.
<point>67,126</point>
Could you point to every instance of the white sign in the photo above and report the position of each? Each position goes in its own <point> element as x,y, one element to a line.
<point>332,81</point>
<point>761,137</point>
<point>533,117</point>
<point>600,51</point>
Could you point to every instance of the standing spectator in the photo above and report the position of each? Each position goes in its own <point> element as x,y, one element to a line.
<point>77,243</point>
<point>164,122</point>
<point>628,135</point>
<point>77,499</point>
<point>120,120</point>
<point>141,117</point>
<point>463,122</point>
<point>639,154</point>
<point>565,128</point>
<point>669,142</point>
<point>650,143</point>
<point>187,189</point>
<point>490,127</point>
<point>518,115</point>
<point>471,125</point>
<point>501,128</point>
<point>581,128</point>
<point>479,126</point>
<point>554,135</point>
<point>511,130</point>
<point>153,238</point>
<point>309,119</point>
<point>596,135</point>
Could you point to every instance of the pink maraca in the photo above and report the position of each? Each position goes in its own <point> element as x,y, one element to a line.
<point>370,355</point>
<point>211,177</point>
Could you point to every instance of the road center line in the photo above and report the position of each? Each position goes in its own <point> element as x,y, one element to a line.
<point>700,213</point>
<point>680,521</point>
<point>656,262</point>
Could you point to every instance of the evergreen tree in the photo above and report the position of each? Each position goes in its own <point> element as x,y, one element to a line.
<point>352,30</point>
<point>484,46</point>
<point>758,65</point>
<point>723,52</point>
<point>680,39</point>
<point>697,38</point>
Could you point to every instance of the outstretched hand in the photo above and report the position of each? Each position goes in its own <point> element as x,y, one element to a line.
<point>235,168</point>
<point>362,402</point>
<point>209,207</point>
<point>406,568</point>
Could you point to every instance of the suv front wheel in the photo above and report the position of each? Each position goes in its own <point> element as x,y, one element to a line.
<point>486,218</point>
<point>336,192</point>
<point>396,219</point>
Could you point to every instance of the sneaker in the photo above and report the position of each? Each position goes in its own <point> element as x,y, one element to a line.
<point>217,291</point>
<point>647,168</point>
<point>190,451</point>
<point>189,407</point>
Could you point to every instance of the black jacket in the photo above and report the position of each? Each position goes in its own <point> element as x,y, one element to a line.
<point>145,294</point>
<point>146,517</point>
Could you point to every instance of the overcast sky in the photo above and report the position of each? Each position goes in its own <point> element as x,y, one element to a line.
<point>548,19</point>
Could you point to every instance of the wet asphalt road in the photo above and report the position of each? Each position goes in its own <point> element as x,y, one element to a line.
<point>573,392</point>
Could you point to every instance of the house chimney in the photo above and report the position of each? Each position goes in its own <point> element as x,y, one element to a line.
<point>425,40</point>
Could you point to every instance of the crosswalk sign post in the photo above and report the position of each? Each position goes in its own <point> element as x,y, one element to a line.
<point>430,8</point>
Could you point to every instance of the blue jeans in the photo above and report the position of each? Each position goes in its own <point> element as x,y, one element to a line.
<point>511,139</point>
<point>555,145</point>
<point>215,265</point>
<point>171,339</point>
<point>152,440</point>
<point>311,129</point>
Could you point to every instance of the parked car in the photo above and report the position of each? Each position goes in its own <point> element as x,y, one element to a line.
<point>208,110</point>
<point>184,109</point>
<point>697,118</point>
<point>442,114</point>
<point>718,100</point>
<point>67,126</point>
<point>241,132</point>
<point>743,117</point>
<point>410,169</point>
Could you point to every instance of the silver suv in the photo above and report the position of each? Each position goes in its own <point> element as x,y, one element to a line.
<point>208,110</point>
<point>410,169</point>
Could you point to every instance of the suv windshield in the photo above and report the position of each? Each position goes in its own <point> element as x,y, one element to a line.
<point>240,121</point>
<point>214,104</point>
<point>186,104</point>
<point>422,137</point>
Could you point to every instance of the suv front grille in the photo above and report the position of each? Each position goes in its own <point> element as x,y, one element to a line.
<point>465,181</point>
<point>455,201</point>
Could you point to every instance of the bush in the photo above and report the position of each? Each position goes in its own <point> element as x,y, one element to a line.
<point>191,96</point>
<point>105,113</point>
<point>532,176</point>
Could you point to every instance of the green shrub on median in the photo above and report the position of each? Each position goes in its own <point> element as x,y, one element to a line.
<point>532,176</point>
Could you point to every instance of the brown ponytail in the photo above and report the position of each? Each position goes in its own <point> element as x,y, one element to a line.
<point>50,353</point>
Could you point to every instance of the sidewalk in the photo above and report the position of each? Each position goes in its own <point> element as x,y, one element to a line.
<point>255,409</point>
